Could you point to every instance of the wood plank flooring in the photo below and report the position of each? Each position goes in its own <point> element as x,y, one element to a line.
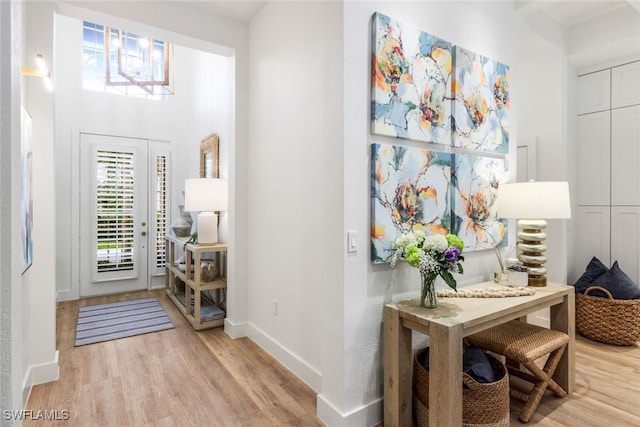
<point>607,392</point>
<point>177,377</point>
<point>181,377</point>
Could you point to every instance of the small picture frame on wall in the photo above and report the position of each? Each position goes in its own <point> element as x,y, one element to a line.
<point>210,157</point>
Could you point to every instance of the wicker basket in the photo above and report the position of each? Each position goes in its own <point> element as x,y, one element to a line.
<point>608,320</point>
<point>483,404</point>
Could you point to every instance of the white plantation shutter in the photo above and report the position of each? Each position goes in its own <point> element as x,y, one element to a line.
<point>160,178</point>
<point>114,210</point>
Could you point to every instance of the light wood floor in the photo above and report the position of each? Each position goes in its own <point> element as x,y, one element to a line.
<point>181,377</point>
<point>607,392</point>
<point>177,377</point>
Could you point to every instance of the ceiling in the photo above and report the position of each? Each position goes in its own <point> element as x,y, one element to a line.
<point>239,10</point>
<point>570,13</point>
<point>582,23</point>
<point>592,32</point>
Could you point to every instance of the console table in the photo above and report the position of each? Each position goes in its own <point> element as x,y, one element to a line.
<point>447,325</point>
<point>185,287</point>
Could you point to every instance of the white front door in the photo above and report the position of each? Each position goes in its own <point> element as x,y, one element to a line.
<point>120,250</point>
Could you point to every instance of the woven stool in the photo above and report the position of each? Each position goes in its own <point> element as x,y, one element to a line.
<point>524,344</point>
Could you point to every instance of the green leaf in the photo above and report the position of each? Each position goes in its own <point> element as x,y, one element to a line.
<point>448,278</point>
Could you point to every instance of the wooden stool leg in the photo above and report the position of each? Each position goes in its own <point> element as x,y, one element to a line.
<point>543,381</point>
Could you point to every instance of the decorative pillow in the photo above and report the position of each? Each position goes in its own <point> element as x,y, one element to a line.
<point>476,364</point>
<point>594,270</point>
<point>618,283</point>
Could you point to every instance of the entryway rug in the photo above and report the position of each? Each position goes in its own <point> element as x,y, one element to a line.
<point>104,322</point>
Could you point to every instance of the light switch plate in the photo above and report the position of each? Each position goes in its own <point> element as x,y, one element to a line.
<point>352,241</point>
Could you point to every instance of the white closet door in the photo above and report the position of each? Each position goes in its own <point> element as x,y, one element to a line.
<point>625,156</point>
<point>625,241</point>
<point>594,234</point>
<point>625,85</point>
<point>594,146</point>
<point>594,92</point>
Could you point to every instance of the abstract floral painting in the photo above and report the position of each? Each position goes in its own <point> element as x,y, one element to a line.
<point>480,110</point>
<point>410,190</point>
<point>26,189</point>
<point>411,82</point>
<point>475,182</point>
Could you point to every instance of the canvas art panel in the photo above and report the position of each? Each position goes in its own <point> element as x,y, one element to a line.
<point>475,181</point>
<point>26,189</point>
<point>410,190</point>
<point>480,111</point>
<point>411,82</point>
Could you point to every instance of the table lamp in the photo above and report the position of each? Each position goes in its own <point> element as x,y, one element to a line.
<point>531,203</point>
<point>207,196</point>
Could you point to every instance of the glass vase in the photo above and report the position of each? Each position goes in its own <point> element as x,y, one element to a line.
<point>428,297</point>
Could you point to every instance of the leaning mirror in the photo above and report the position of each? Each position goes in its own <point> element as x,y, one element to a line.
<point>209,157</point>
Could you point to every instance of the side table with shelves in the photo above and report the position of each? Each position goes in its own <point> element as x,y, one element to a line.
<point>185,286</point>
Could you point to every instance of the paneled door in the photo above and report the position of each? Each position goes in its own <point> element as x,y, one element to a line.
<point>123,200</point>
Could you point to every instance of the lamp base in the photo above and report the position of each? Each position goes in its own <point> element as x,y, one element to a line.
<point>537,281</point>
<point>207,228</point>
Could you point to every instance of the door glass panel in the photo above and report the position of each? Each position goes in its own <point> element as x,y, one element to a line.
<point>115,209</point>
<point>160,206</point>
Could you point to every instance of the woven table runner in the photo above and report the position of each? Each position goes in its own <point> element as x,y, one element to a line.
<point>501,292</point>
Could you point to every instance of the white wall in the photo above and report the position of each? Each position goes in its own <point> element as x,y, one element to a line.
<point>546,118</point>
<point>39,288</point>
<point>488,28</point>
<point>199,106</point>
<point>296,56</point>
<point>184,25</point>
<point>194,27</point>
<point>296,185</point>
<point>13,345</point>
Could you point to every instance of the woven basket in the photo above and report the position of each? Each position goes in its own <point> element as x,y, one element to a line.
<point>608,320</point>
<point>483,404</point>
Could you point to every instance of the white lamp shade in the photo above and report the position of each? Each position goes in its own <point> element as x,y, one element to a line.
<point>205,195</point>
<point>540,200</point>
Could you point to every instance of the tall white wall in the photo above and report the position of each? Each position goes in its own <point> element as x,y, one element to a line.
<point>546,117</point>
<point>199,106</point>
<point>13,345</point>
<point>295,186</point>
<point>193,26</point>
<point>39,288</point>
<point>485,27</point>
<point>336,333</point>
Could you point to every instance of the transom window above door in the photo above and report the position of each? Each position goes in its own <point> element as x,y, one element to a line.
<point>121,62</point>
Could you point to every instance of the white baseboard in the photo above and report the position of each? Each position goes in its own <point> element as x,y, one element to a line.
<point>40,374</point>
<point>45,372</point>
<point>235,330</point>
<point>66,295</point>
<point>297,366</point>
<point>366,416</point>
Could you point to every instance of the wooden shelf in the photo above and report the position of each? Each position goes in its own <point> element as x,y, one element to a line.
<point>185,288</point>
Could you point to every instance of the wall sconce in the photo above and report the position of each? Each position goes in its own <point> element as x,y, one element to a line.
<point>207,196</point>
<point>42,71</point>
<point>531,203</point>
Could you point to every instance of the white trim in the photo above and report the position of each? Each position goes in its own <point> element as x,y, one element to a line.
<point>40,374</point>
<point>45,372</point>
<point>367,415</point>
<point>308,374</point>
<point>608,64</point>
<point>235,330</point>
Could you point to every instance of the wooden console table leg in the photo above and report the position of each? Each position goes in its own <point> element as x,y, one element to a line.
<point>445,376</point>
<point>397,371</point>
